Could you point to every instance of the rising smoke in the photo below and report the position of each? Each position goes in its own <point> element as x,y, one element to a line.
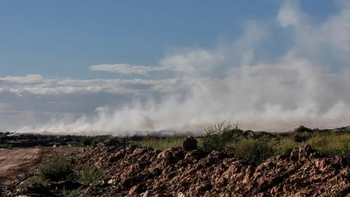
<point>307,84</point>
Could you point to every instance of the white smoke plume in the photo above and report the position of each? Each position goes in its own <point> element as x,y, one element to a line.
<point>307,84</point>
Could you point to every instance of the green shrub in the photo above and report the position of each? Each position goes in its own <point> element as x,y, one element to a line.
<point>331,144</point>
<point>254,150</point>
<point>218,136</point>
<point>283,145</point>
<point>162,144</point>
<point>90,175</point>
<point>56,170</point>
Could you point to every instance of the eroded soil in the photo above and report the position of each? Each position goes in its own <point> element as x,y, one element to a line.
<point>14,162</point>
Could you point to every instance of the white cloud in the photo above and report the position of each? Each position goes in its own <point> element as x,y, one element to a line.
<point>125,68</point>
<point>189,61</point>
<point>336,31</point>
<point>290,14</point>
<point>18,80</point>
<point>184,61</point>
<point>324,42</point>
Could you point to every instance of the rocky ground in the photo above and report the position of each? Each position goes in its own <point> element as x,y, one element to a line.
<point>132,170</point>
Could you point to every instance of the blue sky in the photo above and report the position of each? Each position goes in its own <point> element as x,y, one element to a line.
<point>119,67</point>
<point>54,38</point>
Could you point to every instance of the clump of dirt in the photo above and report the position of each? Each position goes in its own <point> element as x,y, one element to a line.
<point>132,170</point>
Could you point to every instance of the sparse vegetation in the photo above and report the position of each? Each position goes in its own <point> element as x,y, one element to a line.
<point>90,175</point>
<point>73,179</point>
<point>254,150</point>
<point>283,145</point>
<point>60,169</point>
<point>331,144</point>
<point>163,143</point>
<point>56,170</point>
<point>259,146</point>
<point>218,136</point>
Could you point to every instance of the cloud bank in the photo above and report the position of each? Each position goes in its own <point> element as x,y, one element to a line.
<point>308,84</point>
<point>126,68</point>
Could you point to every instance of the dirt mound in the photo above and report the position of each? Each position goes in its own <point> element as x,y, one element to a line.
<point>133,170</point>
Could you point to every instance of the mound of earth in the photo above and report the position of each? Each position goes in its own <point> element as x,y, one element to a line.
<point>133,170</point>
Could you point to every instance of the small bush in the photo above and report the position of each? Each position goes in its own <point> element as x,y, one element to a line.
<point>283,145</point>
<point>253,150</point>
<point>90,175</point>
<point>56,170</point>
<point>162,144</point>
<point>218,136</point>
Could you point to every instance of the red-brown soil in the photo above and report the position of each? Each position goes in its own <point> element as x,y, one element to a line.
<point>132,170</point>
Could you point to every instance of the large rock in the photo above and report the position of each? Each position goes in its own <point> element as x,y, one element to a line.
<point>190,143</point>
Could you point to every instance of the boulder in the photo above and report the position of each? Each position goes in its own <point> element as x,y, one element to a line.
<point>190,143</point>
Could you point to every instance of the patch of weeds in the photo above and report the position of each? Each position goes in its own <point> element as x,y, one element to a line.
<point>56,170</point>
<point>331,144</point>
<point>218,136</point>
<point>162,144</point>
<point>90,175</point>
<point>284,145</point>
<point>256,151</point>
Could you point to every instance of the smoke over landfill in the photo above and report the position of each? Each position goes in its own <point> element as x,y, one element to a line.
<point>306,83</point>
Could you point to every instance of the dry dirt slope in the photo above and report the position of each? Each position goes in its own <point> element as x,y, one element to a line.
<point>21,161</point>
<point>132,170</point>
<point>14,162</point>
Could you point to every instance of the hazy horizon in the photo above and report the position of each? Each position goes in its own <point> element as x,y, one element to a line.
<point>122,67</point>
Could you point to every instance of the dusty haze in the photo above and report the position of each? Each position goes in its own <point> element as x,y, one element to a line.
<point>307,83</point>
